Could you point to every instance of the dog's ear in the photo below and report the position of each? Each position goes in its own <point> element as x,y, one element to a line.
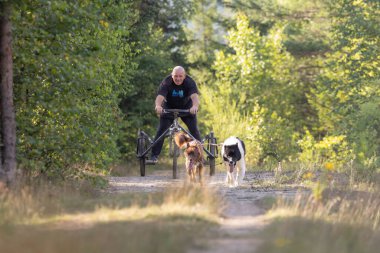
<point>181,139</point>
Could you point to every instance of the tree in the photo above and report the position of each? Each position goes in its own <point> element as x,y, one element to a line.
<point>205,30</point>
<point>347,93</point>
<point>253,77</point>
<point>8,127</point>
<point>73,63</point>
<point>158,40</point>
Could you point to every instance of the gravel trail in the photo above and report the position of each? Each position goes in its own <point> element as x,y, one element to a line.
<point>242,218</point>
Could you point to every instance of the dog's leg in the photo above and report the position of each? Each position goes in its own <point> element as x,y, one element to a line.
<point>200,170</point>
<point>236,176</point>
<point>241,169</point>
<point>188,175</point>
<point>227,181</point>
<point>193,175</point>
<point>230,176</point>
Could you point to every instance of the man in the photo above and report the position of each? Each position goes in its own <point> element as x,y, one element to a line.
<point>177,91</point>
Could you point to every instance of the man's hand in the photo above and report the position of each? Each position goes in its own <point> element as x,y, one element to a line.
<point>158,102</point>
<point>195,99</point>
<point>158,109</point>
<point>194,109</point>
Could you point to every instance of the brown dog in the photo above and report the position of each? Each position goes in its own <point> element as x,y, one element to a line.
<point>193,151</point>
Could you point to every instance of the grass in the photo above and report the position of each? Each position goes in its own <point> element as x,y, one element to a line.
<point>331,213</point>
<point>299,234</point>
<point>350,208</point>
<point>61,219</point>
<point>156,235</point>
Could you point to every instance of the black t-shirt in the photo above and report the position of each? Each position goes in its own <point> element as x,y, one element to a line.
<point>177,96</point>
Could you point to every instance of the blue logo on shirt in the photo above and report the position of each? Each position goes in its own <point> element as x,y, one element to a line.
<point>177,93</point>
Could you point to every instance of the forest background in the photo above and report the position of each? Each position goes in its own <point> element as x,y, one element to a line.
<point>298,81</point>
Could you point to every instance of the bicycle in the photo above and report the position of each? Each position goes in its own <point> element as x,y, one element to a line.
<point>143,140</point>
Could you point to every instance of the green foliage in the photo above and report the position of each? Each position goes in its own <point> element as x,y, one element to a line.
<point>168,16</point>
<point>339,106</point>
<point>258,70</point>
<point>71,64</point>
<point>223,117</point>
<point>254,86</point>
<point>306,30</point>
<point>86,75</point>
<point>154,63</point>
<point>366,134</point>
<point>331,151</point>
<point>76,65</point>
<point>347,94</point>
<point>205,29</point>
<point>158,39</point>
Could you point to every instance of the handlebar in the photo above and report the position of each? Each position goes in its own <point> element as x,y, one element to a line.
<point>175,110</point>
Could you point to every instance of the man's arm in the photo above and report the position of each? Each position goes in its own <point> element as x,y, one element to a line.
<point>195,99</point>
<point>158,104</point>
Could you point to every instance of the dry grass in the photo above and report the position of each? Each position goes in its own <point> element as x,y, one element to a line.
<point>337,221</point>
<point>334,211</point>
<point>189,201</point>
<point>302,174</point>
<point>56,219</point>
<point>299,234</point>
<point>357,209</point>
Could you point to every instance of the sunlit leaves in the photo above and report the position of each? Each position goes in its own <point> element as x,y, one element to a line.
<point>71,65</point>
<point>254,78</point>
<point>350,81</point>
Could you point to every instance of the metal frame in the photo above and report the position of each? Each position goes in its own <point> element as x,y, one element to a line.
<point>176,127</point>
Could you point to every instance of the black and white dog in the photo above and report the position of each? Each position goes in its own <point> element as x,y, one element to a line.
<point>233,153</point>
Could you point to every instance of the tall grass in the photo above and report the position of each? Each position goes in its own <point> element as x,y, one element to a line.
<point>18,207</point>
<point>55,219</point>
<point>348,209</point>
<point>46,203</point>
<point>339,221</point>
<point>299,234</point>
<point>27,202</point>
<point>335,197</point>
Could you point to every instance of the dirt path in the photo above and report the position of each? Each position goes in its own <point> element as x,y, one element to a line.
<point>243,216</point>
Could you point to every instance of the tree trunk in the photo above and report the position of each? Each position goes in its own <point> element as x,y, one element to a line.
<point>6,95</point>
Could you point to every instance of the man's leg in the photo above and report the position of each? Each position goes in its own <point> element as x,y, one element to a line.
<point>191,123</point>
<point>164,124</point>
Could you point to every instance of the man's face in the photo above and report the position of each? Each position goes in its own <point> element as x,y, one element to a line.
<point>178,76</point>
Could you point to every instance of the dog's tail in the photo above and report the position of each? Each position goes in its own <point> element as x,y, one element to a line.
<point>181,139</point>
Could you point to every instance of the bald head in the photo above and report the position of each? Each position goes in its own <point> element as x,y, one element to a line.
<point>178,75</point>
<point>178,69</point>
